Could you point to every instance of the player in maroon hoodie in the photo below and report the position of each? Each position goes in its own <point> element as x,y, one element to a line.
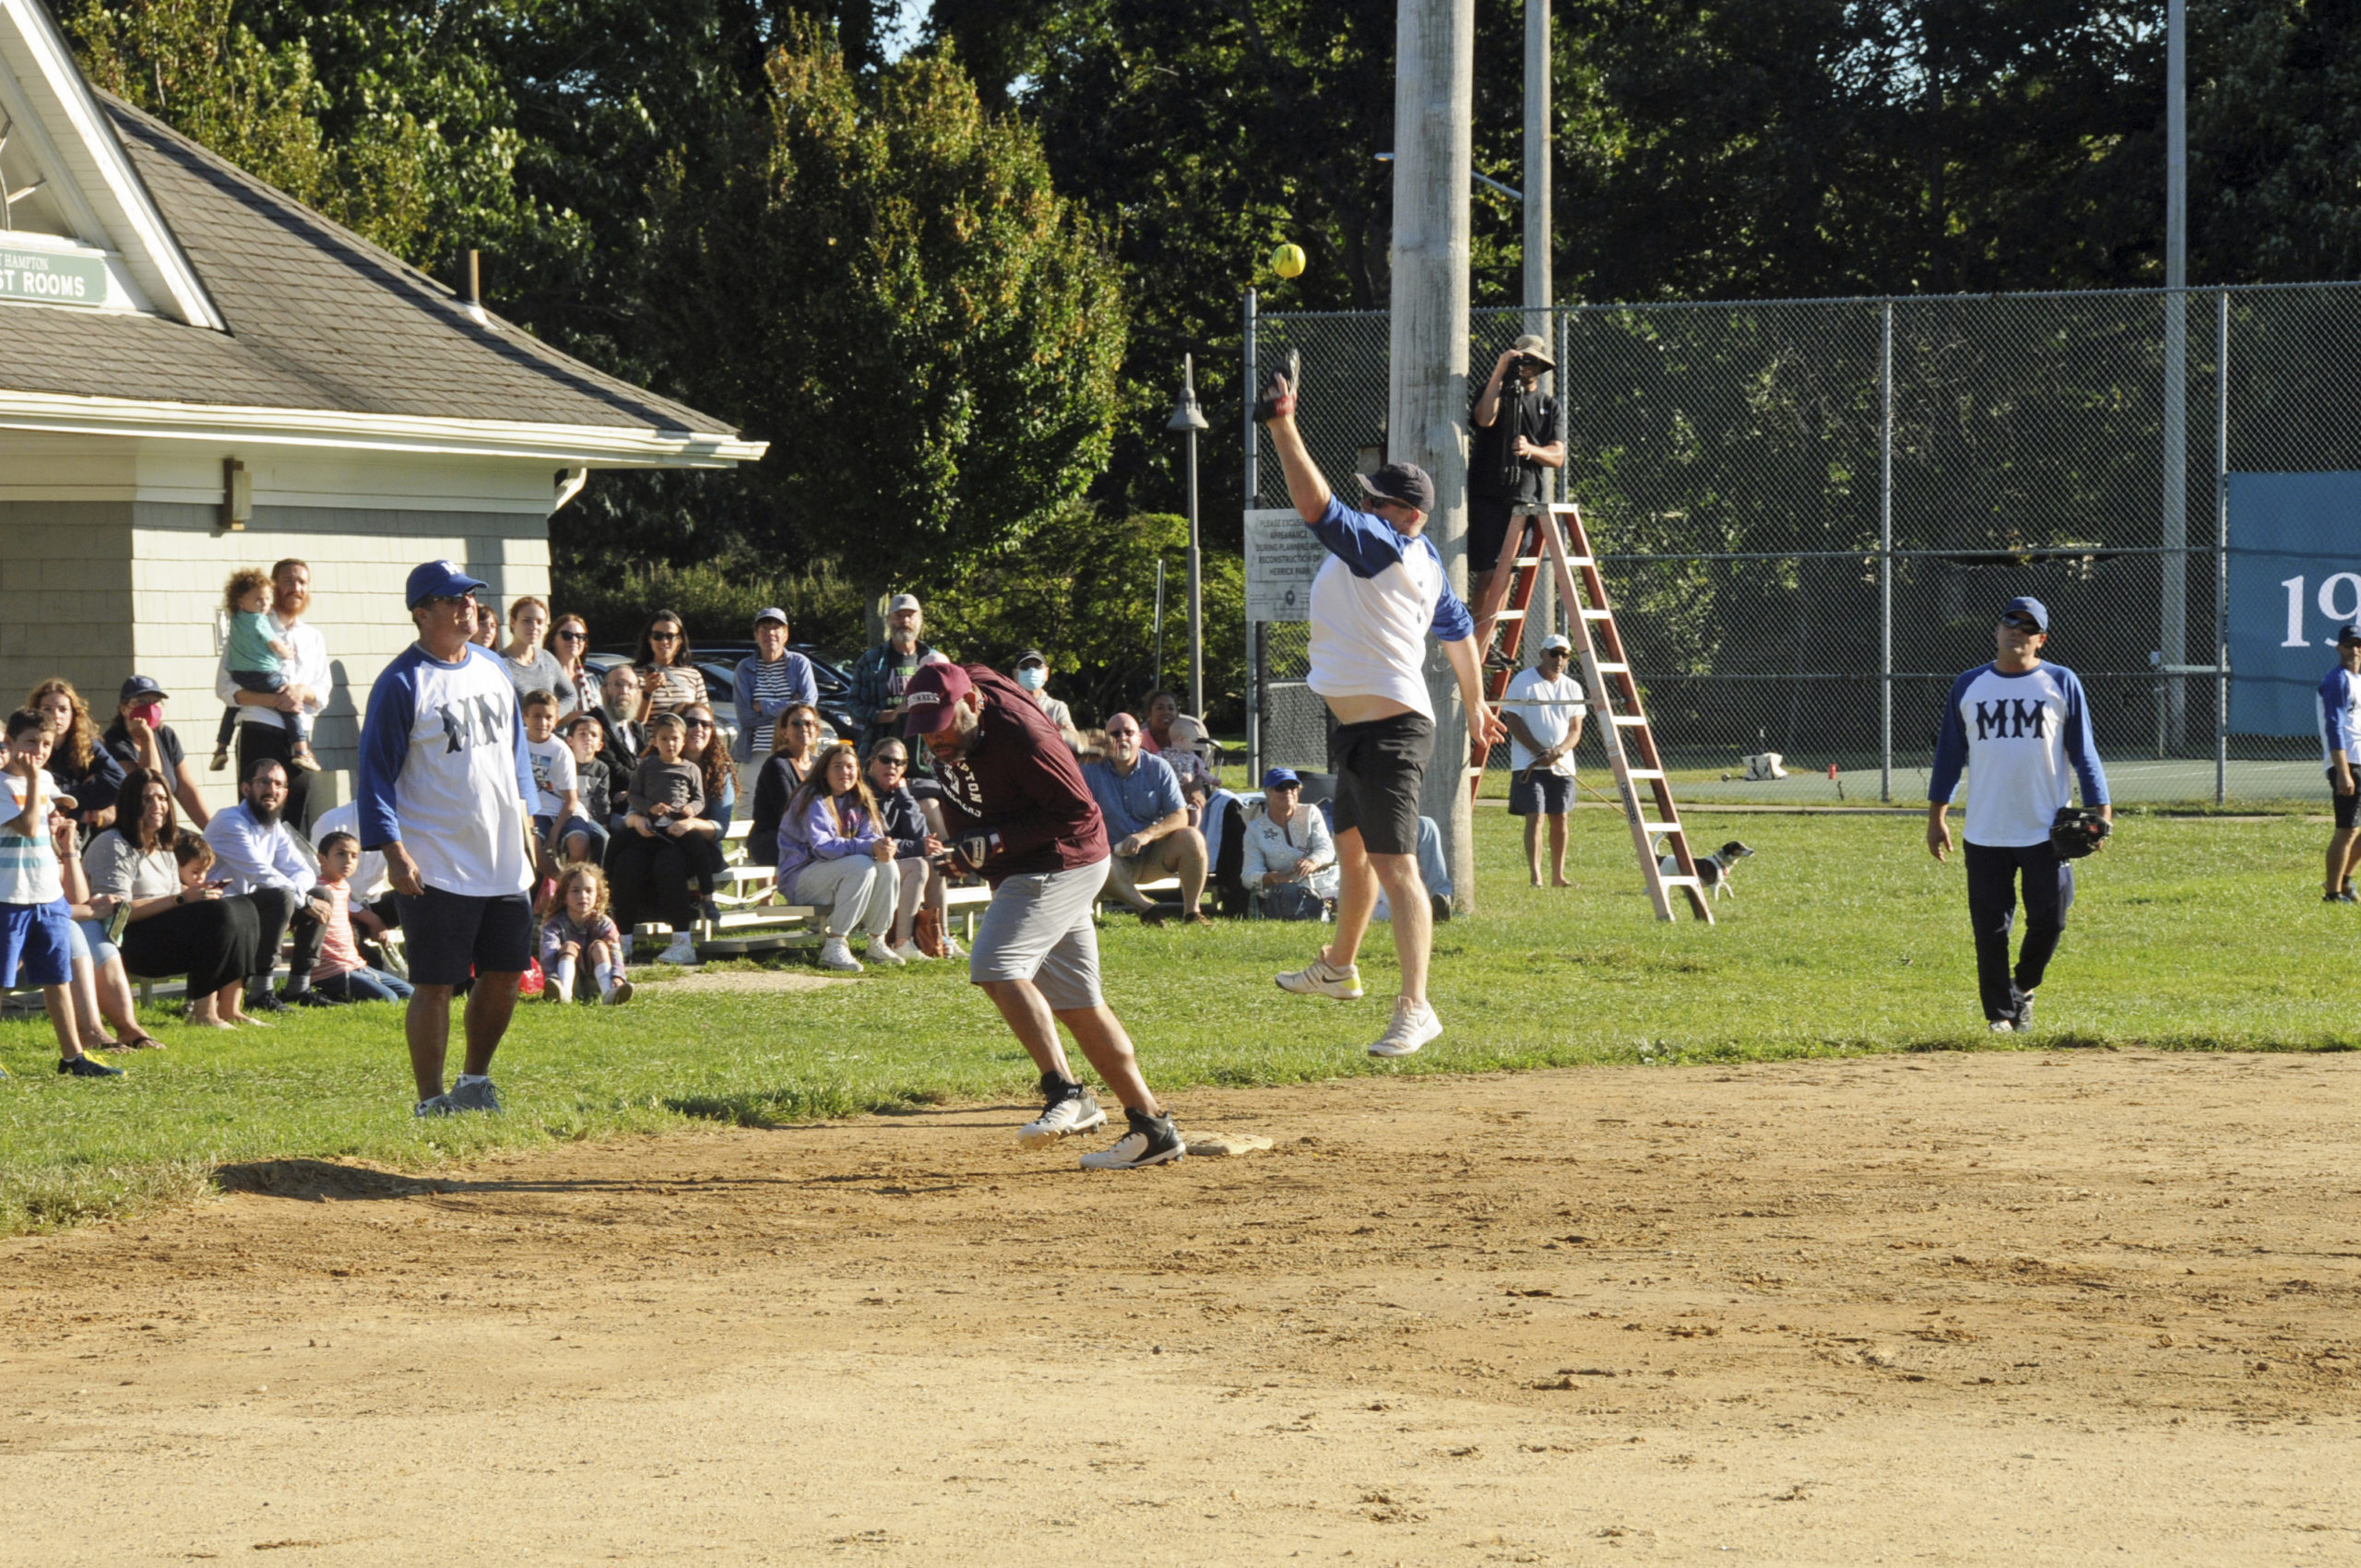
<point>1020,814</point>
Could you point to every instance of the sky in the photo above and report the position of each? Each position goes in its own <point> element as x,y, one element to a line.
<point>903,36</point>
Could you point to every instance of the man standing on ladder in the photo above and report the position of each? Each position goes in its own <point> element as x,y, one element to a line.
<point>1381,591</point>
<point>1519,430</point>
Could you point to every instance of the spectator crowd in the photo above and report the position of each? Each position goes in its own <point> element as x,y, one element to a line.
<point>113,870</point>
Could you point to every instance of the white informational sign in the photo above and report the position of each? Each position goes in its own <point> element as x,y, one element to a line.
<point>1281,556</point>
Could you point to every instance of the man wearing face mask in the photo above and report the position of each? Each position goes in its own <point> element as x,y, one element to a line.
<point>1033,675</point>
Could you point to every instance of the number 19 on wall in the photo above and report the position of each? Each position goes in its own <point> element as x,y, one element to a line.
<point>2339,600</point>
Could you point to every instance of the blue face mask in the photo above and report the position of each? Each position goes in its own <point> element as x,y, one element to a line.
<point>1032,677</point>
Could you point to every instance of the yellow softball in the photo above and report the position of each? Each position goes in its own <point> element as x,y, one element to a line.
<point>1288,261</point>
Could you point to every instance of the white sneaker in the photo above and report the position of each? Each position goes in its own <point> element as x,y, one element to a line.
<point>1413,1023</point>
<point>908,953</point>
<point>835,955</point>
<point>2003,1027</point>
<point>682,952</point>
<point>1321,978</point>
<point>951,948</point>
<point>1077,1112</point>
<point>618,993</point>
<point>882,952</point>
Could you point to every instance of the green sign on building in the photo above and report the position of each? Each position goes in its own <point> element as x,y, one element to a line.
<point>52,279</point>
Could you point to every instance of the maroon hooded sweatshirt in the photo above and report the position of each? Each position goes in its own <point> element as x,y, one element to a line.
<point>1021,782</point>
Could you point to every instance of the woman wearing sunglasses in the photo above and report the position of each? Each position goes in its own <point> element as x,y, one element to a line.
<point>669,679</point>
<point>568,643</point>
<point>795,739</point>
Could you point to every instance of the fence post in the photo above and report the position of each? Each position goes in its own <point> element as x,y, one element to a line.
<point>1885,553</point>
<point>1254,631</point>
<point>2222,548</point>
<point>2172,613</point>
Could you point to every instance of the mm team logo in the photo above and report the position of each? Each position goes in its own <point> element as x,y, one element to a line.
<point>473,721</point>
<point>2009,718</point>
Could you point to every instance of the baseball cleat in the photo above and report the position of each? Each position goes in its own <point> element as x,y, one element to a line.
<point>1074,1109</point>
<point>1150,1140</point>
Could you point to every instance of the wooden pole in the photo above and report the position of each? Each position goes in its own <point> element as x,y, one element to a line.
<point>1434,96</point>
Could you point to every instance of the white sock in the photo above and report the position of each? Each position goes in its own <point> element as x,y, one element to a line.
<point>608,975</point>
<point>562,979</point>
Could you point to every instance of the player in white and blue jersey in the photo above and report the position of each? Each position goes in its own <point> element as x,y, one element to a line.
<point>445,791</point>
<point>2023,729</point>
<point>2339,711</point>
<point>1377,598</point>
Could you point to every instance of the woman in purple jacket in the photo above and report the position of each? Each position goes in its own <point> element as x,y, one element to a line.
<point>834,854</point>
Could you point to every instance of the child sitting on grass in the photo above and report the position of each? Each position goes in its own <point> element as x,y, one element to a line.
<point>579,931</point>
<point>36,928</point>
<point>341,976</point>
<point>258,662</point>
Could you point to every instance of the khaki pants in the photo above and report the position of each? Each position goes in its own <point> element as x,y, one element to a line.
<point>1180,855</point>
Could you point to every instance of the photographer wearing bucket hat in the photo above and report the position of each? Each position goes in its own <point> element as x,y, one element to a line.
<point>1519,430</point>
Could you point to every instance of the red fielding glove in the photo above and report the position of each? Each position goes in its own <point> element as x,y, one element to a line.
<point>1278,400</point>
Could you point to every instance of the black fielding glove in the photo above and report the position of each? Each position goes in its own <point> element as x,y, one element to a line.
<point>1278,400</point>
<point>2075,833</point>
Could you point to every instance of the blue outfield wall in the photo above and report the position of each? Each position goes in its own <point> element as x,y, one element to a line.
<point>2295,578</point>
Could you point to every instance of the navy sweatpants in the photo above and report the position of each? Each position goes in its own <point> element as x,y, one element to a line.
<point>1992,909</point>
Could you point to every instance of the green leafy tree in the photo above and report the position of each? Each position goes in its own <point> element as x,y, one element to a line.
<point>885,287</point>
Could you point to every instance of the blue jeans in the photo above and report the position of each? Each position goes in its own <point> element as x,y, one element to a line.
<point>1433,870</point>
<point>597,835</point>
<point>363,985</point>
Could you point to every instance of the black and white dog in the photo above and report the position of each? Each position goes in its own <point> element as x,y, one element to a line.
<point>1714,871</point>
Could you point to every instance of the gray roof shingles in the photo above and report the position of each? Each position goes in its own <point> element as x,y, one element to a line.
<point>318,318</point>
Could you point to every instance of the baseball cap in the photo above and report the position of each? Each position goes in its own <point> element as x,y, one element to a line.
<point>1406,483</point>
<point>437,579</point>
<point>903,601</point>
<point>1535,346</point>
<point>1556,640</point>
<point>1031,655</point>
<point>1281,779</point>
<point>2031,609</point>
<point>772,613</point>
<point>141,686</point>
<point>927,699</point>
<point>2348,633</point>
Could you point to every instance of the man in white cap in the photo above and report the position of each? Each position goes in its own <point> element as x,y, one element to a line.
<point>1520,430</point>
<point>882,674</point>
<point>1375,599</point>
<point>445,788</point>
<point>773,679</point>
<point>1543,710</point>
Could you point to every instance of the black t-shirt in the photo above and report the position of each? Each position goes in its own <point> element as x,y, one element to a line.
<point>1494,471</point>
<point>117,741</point>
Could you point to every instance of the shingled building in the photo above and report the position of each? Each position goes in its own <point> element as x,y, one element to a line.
<point>199,373</point>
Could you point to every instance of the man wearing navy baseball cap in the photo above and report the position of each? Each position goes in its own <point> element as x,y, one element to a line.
<point>2339,708</point>
<point>445,792</point>
<point>2021,728</point>
<point>1018,813</point>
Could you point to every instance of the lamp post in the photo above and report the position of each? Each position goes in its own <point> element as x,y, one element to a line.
<point>1188,420</point>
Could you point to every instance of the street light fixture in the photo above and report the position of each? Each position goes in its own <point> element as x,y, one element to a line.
<point>1188,420</point>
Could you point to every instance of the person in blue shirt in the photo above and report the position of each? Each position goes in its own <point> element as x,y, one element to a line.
<point>2339,711</point>
<point>2022,731</point>
<point>1148,824</point>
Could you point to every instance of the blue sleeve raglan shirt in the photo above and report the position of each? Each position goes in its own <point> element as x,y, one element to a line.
<point>2026,738</point>
<point>2339,711</point>
<point>443,769</point>
<point>1374,601</point>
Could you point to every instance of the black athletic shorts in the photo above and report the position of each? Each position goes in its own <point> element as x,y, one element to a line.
<point>451,935</point>
<point>1487,526</point>
<point>1536,792</point>
<point>1379,767</point>
<point>2348,807</point>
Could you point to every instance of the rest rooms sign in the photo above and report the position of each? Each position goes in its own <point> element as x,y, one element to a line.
<point>1281,556</point>
<point>52,279</point>
<point>2295,578</point>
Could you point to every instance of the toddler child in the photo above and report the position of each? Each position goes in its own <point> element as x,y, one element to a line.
<point>36,927</point>
<point>341,975</point>
<point>194,856</point>
<point>579,931</point>
<point>256,662</point>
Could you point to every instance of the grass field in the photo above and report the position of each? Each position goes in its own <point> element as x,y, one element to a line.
<point>1845,938</point>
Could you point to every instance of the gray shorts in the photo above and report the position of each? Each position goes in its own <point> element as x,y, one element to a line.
<point>1038,928</point>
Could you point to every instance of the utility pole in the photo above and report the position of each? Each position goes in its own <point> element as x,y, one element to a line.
<point>1537,287</point>
<point>2172,619</point>
<point>1188,420</point>
<point>1434,107</point>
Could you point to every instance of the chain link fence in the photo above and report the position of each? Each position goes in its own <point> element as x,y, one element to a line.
<point>1809,512</point>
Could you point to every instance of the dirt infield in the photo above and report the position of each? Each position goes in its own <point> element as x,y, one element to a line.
<point>2053,1307</point>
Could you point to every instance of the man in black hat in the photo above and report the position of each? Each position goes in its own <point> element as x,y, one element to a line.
<point>1374,601</point>
<point>2340,720</point>
<point>1520,430</point>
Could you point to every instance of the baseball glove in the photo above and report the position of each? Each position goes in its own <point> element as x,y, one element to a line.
<point>1278,400</point>
<point>2077,831</point>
